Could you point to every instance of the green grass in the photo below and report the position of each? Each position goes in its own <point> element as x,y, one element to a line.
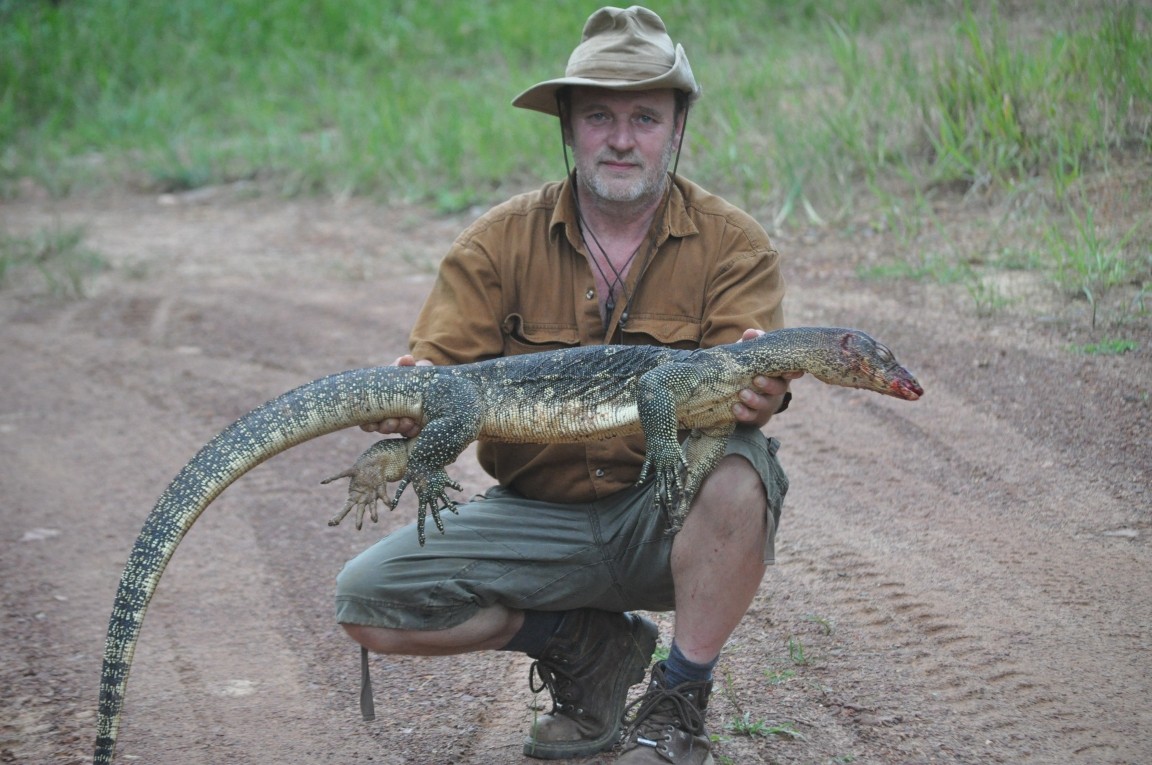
<point>408,99</point>
<point>779,676</point>
<point>814,113</point>
<point>1107,347</point>
<point>796,652</point>
<point>746,725</point>
<point>1087,262</point>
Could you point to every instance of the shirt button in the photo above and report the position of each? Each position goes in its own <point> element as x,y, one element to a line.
<point>599,472</point>
<point>591,293</point>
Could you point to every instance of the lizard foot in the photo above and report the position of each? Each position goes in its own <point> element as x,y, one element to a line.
<point>431,487</point>
<point>383,462</point>
<point>667,469</point>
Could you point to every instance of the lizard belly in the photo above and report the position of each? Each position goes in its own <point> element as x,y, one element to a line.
<point>559,421</point>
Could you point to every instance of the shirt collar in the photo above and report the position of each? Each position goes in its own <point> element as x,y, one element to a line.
<point>677,222</point>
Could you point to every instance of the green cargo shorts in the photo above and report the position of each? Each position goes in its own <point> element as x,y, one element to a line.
<point>502,548</point>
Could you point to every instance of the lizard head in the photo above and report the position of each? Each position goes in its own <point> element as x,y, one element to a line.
<point>870,365</point>
<point>853,359</point>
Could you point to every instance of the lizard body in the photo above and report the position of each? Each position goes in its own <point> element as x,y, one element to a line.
<point>573,395</point>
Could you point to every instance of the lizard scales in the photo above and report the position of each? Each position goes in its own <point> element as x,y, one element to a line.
<point>573,395</point>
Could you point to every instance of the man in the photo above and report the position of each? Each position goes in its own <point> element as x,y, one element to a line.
<point>551,560</point>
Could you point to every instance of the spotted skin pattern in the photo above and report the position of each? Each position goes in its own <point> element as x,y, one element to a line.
<point>567,396</point>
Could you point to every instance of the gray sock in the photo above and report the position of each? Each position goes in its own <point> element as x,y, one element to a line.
<point>534,634</point>
<point>679,670</point>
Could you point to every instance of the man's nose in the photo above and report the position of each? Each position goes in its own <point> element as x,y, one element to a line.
<point>621,137</point>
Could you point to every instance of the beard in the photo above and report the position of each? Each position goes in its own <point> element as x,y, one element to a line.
<point>647,187</point>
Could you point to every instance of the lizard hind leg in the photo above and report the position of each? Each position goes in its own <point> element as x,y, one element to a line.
<point>703,450</point>
<point>382,463</point>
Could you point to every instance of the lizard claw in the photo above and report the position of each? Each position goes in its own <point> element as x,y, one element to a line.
<point>422,515</point>
<point>431,496</point>
<point>667,471</point>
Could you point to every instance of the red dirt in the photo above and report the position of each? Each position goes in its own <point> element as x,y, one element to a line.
<point>963,579</point>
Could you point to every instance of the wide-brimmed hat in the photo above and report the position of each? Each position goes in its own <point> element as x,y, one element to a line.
<point>622,49</point>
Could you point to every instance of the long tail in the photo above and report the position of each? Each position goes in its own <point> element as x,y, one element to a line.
<point>314,409</point>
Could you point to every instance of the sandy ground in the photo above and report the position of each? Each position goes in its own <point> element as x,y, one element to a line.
<point>965,579</point>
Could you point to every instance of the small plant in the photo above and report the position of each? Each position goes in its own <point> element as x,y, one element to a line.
<point>796,651</point>
<point>779,676</point>
<point>746,726</point>
<point>57,254</point>
<point>1088,263</point>
<point>985,295</point>
<point>1106,347</point>
<point>823,622</point>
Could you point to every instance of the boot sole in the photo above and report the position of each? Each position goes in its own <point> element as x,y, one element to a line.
<point>644,635</point>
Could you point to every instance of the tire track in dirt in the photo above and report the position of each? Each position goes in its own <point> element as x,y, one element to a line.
<point>213,670</point>
<point>871,513</point>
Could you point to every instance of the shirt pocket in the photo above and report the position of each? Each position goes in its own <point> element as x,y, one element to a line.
<point>673,331</point>
<point>522,336</point>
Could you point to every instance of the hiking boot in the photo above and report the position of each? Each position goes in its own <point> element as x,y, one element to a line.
<point>668,725</point>
<point>588,667</point>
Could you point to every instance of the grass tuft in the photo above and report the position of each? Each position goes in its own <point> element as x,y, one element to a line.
<point>57,258</point>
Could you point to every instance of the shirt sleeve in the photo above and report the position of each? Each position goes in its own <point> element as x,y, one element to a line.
<point>746,291</point>
<point>460,320</point>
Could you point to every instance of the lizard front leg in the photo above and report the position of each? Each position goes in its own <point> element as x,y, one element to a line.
<point>384,462</point>
<point>659,394</point>
<point>453,409</point>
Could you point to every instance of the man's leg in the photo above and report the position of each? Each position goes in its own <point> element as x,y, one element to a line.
<point>718,561</point>
<point>398,598</point>
<point>489,629</point>
<point>718,558</point>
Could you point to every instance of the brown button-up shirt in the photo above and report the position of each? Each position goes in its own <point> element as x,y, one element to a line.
<point>519,280</point>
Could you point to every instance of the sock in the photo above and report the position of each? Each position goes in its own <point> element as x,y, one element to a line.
<point>679,670</point>
<point>534,634</point>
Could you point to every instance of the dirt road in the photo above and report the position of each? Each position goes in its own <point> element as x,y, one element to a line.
<point>966,579</point>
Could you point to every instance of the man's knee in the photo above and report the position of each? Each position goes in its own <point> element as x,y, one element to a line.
<point>735,484</point>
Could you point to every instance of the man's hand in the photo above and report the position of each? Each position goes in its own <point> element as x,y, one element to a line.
<point>760,402</point>
<point>404,426</point>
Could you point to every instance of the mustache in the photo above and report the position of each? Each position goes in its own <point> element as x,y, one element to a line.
<point>611,156</point>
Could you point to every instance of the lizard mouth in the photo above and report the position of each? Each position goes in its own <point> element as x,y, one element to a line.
<point>907,389</point>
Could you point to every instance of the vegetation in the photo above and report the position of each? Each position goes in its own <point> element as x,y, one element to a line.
<point>56,258</point>
<point>862,115</point>
<point>745,725</point>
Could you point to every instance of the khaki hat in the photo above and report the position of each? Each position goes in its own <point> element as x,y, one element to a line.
<point>622,49</point>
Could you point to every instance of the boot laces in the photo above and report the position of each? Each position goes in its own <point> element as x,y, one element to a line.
<point>662,708</point>
<point>559,683</point>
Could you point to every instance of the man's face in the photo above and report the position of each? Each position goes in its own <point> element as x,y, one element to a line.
<point>623,142</point>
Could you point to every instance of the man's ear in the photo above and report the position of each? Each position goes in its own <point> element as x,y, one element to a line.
<point>681,121</point>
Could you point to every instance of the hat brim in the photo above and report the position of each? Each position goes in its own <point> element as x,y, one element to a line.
<point>541,97</point>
